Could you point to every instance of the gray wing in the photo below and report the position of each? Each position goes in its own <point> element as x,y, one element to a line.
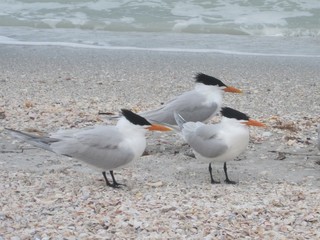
<point>100,146</point>
<point>190,105</point>
<point>205,141</point>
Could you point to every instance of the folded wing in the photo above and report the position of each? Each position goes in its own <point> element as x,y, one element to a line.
<point>205,140</point>
<point>190,105</point>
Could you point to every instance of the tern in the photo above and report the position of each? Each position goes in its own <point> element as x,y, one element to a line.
<point>198,105</point>
<point>219,142</point>
<point>104,147</point>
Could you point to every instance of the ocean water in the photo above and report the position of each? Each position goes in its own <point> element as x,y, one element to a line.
<point>267,27</point>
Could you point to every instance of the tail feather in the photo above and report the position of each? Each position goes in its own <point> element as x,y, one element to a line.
<point>111,118</point>
<point>179,119</point>
<point>35,140</point>
<point>111,115</point>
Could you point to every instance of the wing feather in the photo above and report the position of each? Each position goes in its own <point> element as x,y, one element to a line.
<point>190,105</point>
<point>101,147</point>
<point>205,140</point>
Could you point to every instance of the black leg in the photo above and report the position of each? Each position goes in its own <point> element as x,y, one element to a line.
<point>228,181</point>
<point>210,171</point>
<point>114,184</point>
<point>105,178</point>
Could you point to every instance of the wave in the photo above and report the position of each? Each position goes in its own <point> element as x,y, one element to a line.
<point>252,17</point>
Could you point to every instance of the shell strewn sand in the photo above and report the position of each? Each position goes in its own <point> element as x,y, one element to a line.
<point>168,194</point>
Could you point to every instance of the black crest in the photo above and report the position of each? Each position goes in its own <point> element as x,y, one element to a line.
<point>208,80</point>
<point>232,113</point>
<point>134,118</point>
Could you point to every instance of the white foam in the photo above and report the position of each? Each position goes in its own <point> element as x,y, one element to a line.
<point>8,41</point>
<point>106,5</point>
<point>127,19</point>
<point>78,18</point>
<point>187,9</point>
<point>181,25</point>
<point>51,22</point>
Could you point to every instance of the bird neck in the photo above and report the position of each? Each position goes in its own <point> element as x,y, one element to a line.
<point>133,136</point>
<point>211,93</point>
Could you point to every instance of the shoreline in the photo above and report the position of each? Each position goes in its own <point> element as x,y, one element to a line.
<point>155,49</point>
<point>247,45</point>
<point>168,194</point>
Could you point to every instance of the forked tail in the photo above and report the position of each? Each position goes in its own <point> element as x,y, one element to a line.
<point>35,140</point>
<point>179,119</point>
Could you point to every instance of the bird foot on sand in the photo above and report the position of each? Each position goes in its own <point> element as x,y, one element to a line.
<point>228,181</point>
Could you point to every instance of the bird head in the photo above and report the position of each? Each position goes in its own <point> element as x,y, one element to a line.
<point>138,120</point>
<point>209,80</point>
<point>241,117</point>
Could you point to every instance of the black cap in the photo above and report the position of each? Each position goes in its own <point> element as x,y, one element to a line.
<point>232,113</point>
<point>208,80</point>
<point>134,118</point>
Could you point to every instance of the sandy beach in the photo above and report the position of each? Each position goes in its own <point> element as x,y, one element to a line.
<point>168,194</point>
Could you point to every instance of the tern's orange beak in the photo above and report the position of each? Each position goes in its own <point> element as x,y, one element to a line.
<point>158,127</point>
<point>255,123</point>
<point>232,89</point>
